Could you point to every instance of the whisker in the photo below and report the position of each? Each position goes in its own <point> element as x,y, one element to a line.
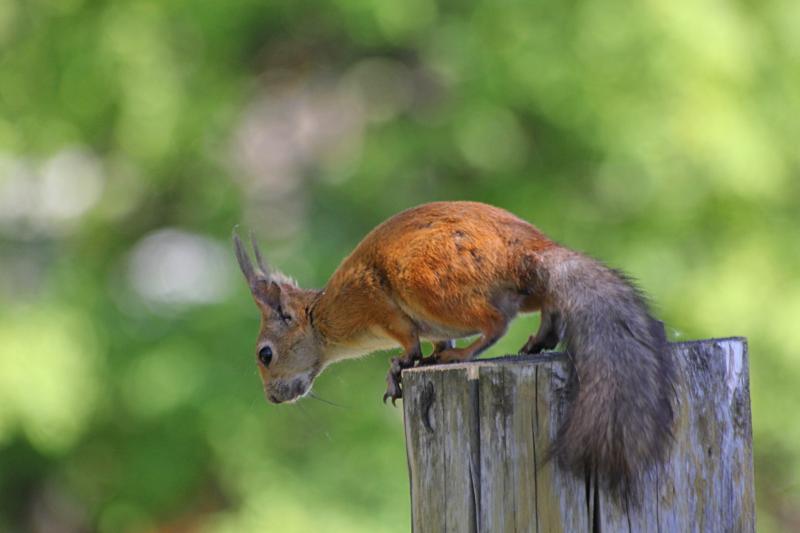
<point>323,400</point>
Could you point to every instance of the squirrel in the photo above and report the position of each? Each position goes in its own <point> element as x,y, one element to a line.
<point>448,270</point>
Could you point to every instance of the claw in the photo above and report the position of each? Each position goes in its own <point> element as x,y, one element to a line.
<point>394,395</point>
<point>393,389</point>
<point>393,380</point>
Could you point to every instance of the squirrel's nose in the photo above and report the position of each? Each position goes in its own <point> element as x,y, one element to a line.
<point>274,399</point>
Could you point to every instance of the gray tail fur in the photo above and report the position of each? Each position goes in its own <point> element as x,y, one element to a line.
<point>621,393</point>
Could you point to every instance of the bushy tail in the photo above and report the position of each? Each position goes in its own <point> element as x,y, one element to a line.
<point>622,390</point>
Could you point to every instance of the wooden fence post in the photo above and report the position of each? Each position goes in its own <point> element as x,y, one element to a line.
<point>475,433</point>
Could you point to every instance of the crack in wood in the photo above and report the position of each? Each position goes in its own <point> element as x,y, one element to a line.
<point>475,463</point>
<point>426,403</point>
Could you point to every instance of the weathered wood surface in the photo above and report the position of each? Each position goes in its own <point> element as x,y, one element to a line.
<point>475,433</point>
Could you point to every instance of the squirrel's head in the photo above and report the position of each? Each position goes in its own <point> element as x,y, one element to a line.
<point>288,352</point>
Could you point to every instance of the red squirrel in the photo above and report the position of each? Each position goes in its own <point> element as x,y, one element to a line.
<point>449,270</point>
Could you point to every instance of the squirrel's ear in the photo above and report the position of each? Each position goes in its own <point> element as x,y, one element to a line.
<point>269,293</point>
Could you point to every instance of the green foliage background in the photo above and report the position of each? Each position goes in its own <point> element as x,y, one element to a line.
<point>661,136</point>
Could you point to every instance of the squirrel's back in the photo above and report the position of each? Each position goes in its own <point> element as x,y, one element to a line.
<point>469,242</point>
<point>441,262</point>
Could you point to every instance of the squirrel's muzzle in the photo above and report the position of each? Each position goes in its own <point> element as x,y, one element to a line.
<point>282,391</point>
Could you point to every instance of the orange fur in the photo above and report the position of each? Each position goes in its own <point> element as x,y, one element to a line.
<point>439,271</point>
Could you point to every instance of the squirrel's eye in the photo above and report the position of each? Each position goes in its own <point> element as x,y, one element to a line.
<point>265,355</point>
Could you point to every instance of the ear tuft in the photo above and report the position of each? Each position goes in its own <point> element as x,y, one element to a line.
<point>282,279</point>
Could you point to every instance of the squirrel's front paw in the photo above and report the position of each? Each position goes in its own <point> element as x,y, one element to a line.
<point>394,392</point>
<point>393,389</point>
